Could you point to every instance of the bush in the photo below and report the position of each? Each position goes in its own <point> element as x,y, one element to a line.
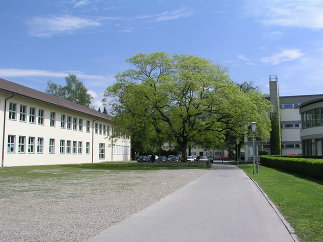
<point>303,166</point>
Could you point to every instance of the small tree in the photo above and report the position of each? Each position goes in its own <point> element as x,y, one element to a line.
<point>74,91</point>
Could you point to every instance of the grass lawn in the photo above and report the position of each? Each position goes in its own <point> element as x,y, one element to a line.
<point>62,170</point>
<point>298,198</point>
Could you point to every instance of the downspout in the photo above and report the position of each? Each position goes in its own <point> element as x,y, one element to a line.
<point>4,127</point>
<point>92,150</point>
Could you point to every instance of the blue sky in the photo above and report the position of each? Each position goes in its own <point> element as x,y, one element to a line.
<point>43,40</point>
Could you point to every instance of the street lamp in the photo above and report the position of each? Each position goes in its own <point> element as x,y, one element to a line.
<point>253,129</point>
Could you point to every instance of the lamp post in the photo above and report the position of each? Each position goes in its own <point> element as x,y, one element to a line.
<point>237,150</point>
<point>253,129</point>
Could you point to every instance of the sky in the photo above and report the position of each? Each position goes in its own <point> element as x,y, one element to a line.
<point>42,40</point>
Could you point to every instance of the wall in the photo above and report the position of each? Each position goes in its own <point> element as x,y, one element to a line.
<point>19,128</point>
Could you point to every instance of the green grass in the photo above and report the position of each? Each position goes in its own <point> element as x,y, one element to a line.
<point>298,198</point>
<point>56,171</point>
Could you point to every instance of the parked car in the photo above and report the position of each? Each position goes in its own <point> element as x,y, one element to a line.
<point>162,158</point>
<point>190,158</point>
<point>143,158</point>
<point>174,158</point>
<point>202,159</point>
<point>210,159</point>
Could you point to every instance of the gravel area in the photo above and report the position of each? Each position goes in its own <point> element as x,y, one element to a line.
<point>79,205</point>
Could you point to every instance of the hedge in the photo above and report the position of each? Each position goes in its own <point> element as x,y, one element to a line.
<point>303,166</point>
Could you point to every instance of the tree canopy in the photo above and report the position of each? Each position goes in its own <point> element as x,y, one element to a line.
<point>183,99</point>
<point>74,91</point>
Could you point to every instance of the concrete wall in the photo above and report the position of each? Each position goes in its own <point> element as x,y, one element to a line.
<point>290,114</point>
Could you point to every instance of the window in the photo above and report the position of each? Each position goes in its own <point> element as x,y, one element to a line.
<point>31,145</point>
<point>108,130</point>
<point>63,117</point>
<point>52,119</point>
<point>62,146</point>
<point>74,123</point>
<point>101,150</point>
<point>96,128</point>
<point>69,121</point>
<point>104,129</point>
<point>12,111</point>
<point>74,147</point>
<point>100,128</point>
<point>80,124</point>
<point>79,147</point>
<point>11,143</point>
<point>40,145</point>
<point>87,126</point>
<point>22,114</point>
<point>87,148</point>
<point>51,146</point>
<point>22,144</point>
<point>41,116</point>
<point>68,147</point>
<point>32,113</point>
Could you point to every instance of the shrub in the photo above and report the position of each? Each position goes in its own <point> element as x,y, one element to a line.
<point>303,166</point>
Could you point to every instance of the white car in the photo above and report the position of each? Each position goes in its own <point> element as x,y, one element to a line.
<point>190,158</point>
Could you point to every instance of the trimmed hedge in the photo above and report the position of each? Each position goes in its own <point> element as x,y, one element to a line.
<point>303,166</point>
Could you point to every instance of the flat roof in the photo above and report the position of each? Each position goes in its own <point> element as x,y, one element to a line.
<point>24,91</point>
<point>311,102</point>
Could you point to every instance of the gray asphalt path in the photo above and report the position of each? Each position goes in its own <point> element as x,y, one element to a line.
<point>222,205</point>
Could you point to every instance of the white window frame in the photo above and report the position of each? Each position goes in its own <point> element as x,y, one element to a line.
<point>22,113</point>
<point>62,146</point>
<point>63,119</point>
<point>40,145</point>
<point>32,115</point>
<point>88,124</point>
<point>87,148</point>
<point>51,147</point>
<point>69,122</point>
<point>11,147</point>
<point>12,111</point>
<point>31,145</point>
<point>80,124</point>
<point>74,124</point>
<point>74,149</point>
<point>52,119</point>
<point>41,114</point>
<point>21,144</point>
<point>79,147</point>
<point>100,128</point>
<point>101,151</point>
<point>104,129</point>
<point>68,147</point>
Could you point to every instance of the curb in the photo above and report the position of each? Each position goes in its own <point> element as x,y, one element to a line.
<point>289,228</point>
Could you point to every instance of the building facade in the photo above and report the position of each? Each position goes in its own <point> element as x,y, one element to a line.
<point>312,127</point>
<point>290,121</point>
<point>41,129</point>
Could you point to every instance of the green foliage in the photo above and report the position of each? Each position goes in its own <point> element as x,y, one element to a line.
<point>182,99</point>
<point>299,199</point>
<point>275,135</point>
<point>304,166</point>
<point>74,91</point>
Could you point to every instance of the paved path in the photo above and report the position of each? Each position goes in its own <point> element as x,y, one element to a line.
<point>222,205</point>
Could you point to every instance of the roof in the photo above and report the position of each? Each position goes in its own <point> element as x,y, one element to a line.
<point>21,90</point>
<point>311,102</point>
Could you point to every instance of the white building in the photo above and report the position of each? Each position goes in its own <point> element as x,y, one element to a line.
<point>312,131</point>
<point>41,129</point>
<point>290,120</point>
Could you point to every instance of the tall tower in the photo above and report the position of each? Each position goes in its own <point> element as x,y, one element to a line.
<point>275,134</point>
<point>273,92</point>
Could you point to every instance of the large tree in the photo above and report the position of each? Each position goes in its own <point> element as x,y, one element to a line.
<point>74,90</point>
<point>183,99</point>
